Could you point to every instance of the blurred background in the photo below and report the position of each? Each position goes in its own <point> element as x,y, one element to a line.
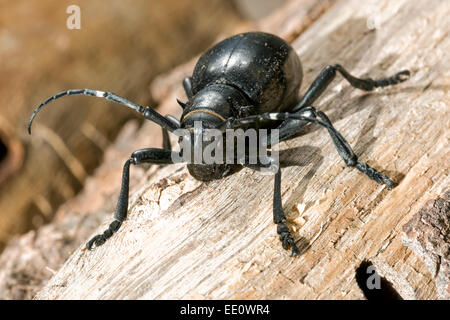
<point>121,46</point>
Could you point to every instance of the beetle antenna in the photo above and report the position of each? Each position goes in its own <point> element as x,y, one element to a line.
<point>148,112</point>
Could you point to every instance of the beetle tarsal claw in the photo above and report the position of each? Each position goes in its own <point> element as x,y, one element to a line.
<point>403,75</point>
<point>287,240</point>
<point>98,240</point>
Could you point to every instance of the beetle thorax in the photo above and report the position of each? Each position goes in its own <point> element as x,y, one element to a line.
<point>212,106</point>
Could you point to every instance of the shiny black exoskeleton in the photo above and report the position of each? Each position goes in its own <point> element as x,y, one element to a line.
<point>247,74</point>
<point>250,80</point>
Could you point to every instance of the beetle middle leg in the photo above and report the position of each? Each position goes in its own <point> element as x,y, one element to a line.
<point>149,155</point>
<point>280,219</point>
<point>329,73</point>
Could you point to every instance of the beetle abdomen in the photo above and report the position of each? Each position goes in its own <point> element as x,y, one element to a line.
<point>262,65</point>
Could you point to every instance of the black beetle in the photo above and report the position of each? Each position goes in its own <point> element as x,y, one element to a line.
<point>248,80</point>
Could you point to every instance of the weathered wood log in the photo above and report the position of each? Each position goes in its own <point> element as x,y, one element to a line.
<point>120,47</point>
<point>186,239</point>
<point>47,248</point>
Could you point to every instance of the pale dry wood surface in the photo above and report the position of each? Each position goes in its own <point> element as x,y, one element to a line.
<point>30,260</point>
<point>186,239</point>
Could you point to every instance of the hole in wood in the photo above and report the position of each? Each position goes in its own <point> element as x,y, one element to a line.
<point>373,285</point>
<point>11,155</point>
<point>3,151</point>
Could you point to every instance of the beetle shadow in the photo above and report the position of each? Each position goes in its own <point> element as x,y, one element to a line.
<point>288,158</point>
<point>303,245</point>
<point>366,140</point>
<point>311,156</point>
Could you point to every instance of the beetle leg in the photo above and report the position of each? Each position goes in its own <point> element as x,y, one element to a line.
<point>149,155</point>
<point>166,140</point>
<point>280,219</point>
<point>187,85</point>
<point>348,155</point>
<point>174,120</point>
<point>329,73</point>
<point>165,134</point>
<point>290,128</point>
<point>310,114</point>
<point>342,146</point>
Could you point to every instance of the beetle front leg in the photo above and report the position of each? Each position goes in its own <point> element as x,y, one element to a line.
<point>287,129</point>
<point>280,219</point>
<point>150,155</point>
<point>310,114</point>
<point>348,155</point>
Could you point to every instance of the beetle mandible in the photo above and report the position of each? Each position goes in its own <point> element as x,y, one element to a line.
<point>247,80</point>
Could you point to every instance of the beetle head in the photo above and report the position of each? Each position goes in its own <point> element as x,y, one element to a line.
<point>210,106</point>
